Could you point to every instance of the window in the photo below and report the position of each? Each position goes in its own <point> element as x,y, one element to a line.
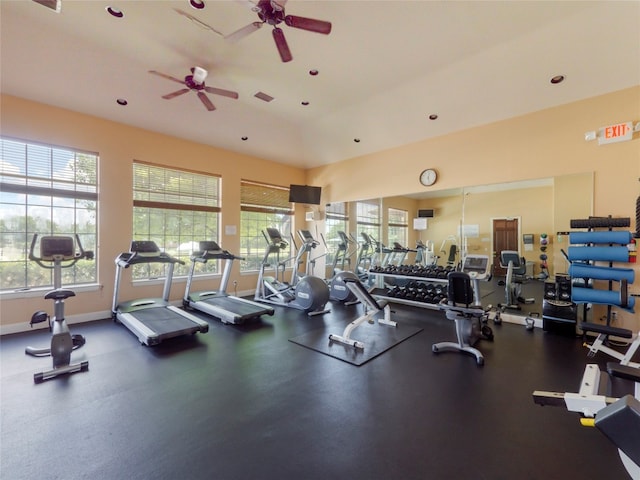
<point>46,190</point>
<point>368,218</point>
<point>337,220</point>
<point>398,224</point>
<point>176,209</point>
<point>262,206</point>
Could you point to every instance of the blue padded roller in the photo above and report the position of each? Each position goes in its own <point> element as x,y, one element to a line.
<point>601,273</point>
<point>601,297</point>
<point>618,237</point>
<point>602,254</point>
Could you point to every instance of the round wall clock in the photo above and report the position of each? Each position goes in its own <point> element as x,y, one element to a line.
<point>428,177</point>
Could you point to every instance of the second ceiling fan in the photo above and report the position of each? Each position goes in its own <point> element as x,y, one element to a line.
<point>272,12</point>
<point>195,81</point>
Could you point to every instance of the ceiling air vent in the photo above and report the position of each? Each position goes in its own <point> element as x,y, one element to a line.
<point>263,96</point>
<point>54,5</point>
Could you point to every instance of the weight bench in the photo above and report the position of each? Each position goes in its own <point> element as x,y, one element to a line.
<point>600,343</point>
<point>371,308</point>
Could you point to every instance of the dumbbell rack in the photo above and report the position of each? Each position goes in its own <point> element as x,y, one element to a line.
<point>382,292</point>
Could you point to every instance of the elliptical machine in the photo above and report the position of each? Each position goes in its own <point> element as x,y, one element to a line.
<point>56,253</point>
<point>306,293</point>
<point>338,290</point>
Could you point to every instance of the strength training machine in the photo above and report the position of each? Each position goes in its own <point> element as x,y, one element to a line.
<point>218,303</point>
<point>610,402</point>
<point>56,253</point>
<point>152,320</point>
<point>463,305</point>
<point>371,308</point>
<point>307,293</point>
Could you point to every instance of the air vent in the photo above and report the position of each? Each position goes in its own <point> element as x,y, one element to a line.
<point>54,5</point>
<point>263,96</point>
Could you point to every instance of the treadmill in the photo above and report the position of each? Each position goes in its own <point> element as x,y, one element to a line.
<point>218,303</point>
<point>152,320</point>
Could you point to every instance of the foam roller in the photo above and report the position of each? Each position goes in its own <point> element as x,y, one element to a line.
<point>601,273</point>
<point>602,254</point>
<point>618,237</point>
<point>601,297</point>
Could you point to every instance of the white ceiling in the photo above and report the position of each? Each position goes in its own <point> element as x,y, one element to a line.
<point>383,69</point>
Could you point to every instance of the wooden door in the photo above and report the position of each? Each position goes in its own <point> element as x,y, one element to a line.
<point>505,237</point>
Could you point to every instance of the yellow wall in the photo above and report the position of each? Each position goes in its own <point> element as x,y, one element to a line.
<point>118,145</point>
<point>548,143</point>
<point>544,144</point>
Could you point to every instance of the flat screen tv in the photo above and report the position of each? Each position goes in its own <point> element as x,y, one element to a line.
<point>305,194</point>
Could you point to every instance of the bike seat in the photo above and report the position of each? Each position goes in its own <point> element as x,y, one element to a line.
<point>59,294</point>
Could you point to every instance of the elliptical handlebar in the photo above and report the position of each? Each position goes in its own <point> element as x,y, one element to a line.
<point>58,249</point>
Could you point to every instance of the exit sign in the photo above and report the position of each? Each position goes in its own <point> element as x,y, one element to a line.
<point>620,132</point>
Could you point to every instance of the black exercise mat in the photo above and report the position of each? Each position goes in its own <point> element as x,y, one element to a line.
<point>377,339</point>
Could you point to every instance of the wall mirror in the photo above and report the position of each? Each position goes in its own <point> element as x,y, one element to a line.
<point>452,223</point>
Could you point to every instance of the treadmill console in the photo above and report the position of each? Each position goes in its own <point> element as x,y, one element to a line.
<point>477,266</point>
<point>144,247</point>
<point>208,246</point>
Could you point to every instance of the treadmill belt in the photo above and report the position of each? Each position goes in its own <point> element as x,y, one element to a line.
<point>238,307</point>
<point>164,321</point>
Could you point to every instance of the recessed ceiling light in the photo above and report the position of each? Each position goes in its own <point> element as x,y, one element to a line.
<point>433,116</point>
<point>357,140</point>
<point>313,72</point>
<point>305,103</point>
<point>115,12</point>
<point>122,101</point>
<point>244,139</point>
<point>557,79</point>
<point>197,4</point>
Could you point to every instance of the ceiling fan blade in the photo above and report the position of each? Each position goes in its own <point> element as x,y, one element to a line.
<point>168,77</point>
<point>220,91</point>
<point>281,43</point>
<point>169,96</point>
<point>243,32</point>
<point>318,26</point>
<point>205,101</point>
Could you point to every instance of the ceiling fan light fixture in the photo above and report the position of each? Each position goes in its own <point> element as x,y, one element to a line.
<point>199,75</point>
<point>115,12</point>
<point>197,4</point>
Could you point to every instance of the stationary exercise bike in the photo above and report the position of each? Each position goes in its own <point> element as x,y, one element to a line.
<point>56,253</point>
<point>516,275</point>
<point>464,306</point>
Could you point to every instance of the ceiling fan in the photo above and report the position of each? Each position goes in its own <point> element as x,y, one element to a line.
<point>195,81</point>
<point>272,12</point>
